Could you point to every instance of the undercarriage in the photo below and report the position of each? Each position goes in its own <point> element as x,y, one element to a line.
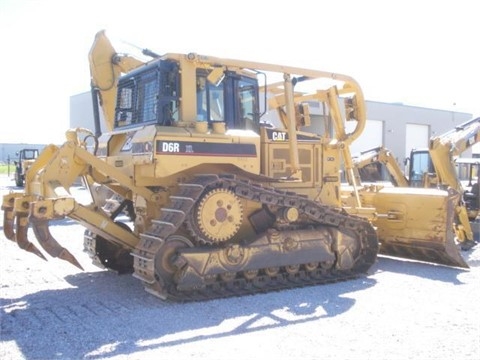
<point>195,250</point>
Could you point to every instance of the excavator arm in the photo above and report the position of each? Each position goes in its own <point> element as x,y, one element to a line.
<point>383,156</point>
<point>445,147</point>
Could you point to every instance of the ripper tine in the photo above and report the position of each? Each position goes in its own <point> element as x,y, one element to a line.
<point>19,205</point>
<point>21,236</point>
<point>8,223</point>
<point>9,215</point>
<point>49,244</point>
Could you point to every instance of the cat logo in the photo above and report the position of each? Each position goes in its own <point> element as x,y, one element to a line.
<point>279,136</point>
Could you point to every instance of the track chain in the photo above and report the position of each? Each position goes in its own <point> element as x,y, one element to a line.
<point>173,217</point>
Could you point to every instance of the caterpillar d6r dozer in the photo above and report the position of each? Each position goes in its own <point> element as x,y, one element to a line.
<point>223,202</point>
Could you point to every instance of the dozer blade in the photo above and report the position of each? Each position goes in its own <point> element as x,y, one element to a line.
<point>49,244</point>
<point>430,252</point>
<point>21,235</point>
<point>419,225</point>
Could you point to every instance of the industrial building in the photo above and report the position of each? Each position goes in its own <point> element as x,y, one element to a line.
<point>397,127</point>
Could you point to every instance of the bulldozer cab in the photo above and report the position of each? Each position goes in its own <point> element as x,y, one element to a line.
<point>148,96</point>
<point>151,95</point>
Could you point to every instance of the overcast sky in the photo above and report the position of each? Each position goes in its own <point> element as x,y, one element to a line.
<point>421,53</point>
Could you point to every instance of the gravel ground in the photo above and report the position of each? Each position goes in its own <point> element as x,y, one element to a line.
<point>400,310</point>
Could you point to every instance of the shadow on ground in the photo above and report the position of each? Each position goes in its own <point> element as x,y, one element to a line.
<point>420,269</point>
<point>104,315</point>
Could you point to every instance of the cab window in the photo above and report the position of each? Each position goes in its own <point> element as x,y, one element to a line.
<point>248,106</point>
<point>210,99</point>
<point>149,96</point>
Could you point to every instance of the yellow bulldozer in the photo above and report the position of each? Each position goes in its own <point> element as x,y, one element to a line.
<point>437,166</point>
<point>224,203</point>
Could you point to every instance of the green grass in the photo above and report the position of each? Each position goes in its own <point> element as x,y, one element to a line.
<point>4,169</point>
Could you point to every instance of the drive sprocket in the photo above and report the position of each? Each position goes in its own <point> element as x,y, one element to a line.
<point>217,216</point>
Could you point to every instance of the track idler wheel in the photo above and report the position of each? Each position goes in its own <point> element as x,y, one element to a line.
<point>113,256</point>
<point>165,267</point>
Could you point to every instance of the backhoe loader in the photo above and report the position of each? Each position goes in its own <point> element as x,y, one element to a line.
<point>468,172</point>
<point>224,203</point>
<point>25,158</point>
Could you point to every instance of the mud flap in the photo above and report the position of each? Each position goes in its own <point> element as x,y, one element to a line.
<point>418,224</point>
